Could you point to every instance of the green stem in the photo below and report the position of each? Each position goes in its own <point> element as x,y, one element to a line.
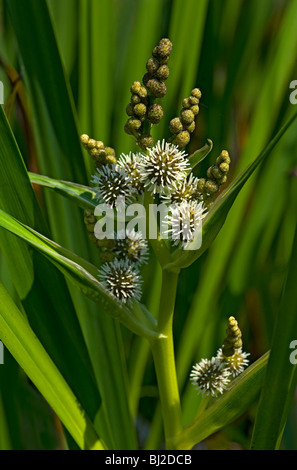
<point>163,354</point>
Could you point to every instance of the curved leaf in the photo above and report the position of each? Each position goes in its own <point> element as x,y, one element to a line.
<point>20,339</point>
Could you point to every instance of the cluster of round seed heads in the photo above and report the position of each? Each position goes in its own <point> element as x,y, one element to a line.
<point>137,111</point>
<point>143,112</point>
<point>233,339</point>
<point>216,176</point>
<point>181,127</point>
<point>96,149</point>
<point>157,69</point>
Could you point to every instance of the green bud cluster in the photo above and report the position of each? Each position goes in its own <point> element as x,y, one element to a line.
<point>143,112</point>
<point>181,127</point>
<point>96,149</point>
<point>233,340</point>
<point>90,221</point>
<point>216,176</point>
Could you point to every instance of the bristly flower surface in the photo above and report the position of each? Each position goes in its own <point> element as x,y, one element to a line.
<point>186,190</point>
<point>121,278</point>
<point>113,182</point>
<point>130,163</point>
<point>163,167</point>
<point>131,245</point>
<point>235,363</point>
<point>184,221</point>
<point>210,377</point>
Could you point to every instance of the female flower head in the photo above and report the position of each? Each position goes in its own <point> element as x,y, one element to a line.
<point>113,184</point>
<point>121,278</point>
<point>163,167</point>
<point>210,377</point>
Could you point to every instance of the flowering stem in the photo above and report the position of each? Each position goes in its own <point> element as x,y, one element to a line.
<point>163,354</point>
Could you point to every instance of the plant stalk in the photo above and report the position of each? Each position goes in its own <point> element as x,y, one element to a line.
<point>163,355</point>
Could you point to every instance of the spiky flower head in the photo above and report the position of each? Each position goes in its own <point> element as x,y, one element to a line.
<point>131,245</point>
<point>130,163</point>
<point>210,377</point>
<point>163,167</point>
<point>121,278</point>
<point>187,190</point>
<point>184,221</point>
<point>113,184</point>
<point>235,363</point>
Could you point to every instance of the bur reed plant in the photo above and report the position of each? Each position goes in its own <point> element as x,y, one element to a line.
<point>91,318</point>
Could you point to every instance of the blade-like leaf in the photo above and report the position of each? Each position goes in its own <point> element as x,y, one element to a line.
<point>280,380</point>
<point>19,338</point>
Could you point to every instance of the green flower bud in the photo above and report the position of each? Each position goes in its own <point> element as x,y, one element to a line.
<point>162,72</point>
<point>216,173</point>
<point>156,88</point>
<point>197,93</point>
<point>224,167</point>
<point>201,185</point>
<point>182,139</point>
<point>110,151</point>
<point>175,126</point>
<point>134,124</point>
<point>84,138</point>
<point>135,87</point>
<point>187,116</point>
<point>91,143</point>
<point>99,144</point>
<point>193,100</point>
<point>186,103</point>
<point>135,99</point>
<point>152,65</point>
<point>223,157</point>
<point>129,109</point>
<point>233,339</point>
<point>164,48</point>
<point>191,127</point>
<point>142,93</point>
<point>110,159</point>
<point>107,256</point>
<point>145,141</point>
<point>155,113</point>
<point>211,187</point>
<point>140,109</point>
<point>195,109</point>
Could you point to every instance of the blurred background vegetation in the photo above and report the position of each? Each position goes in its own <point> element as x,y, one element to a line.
<point>241,54</point>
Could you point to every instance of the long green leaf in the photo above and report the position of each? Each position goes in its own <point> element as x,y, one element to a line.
<point>280,380</point>
<point>30,354</point>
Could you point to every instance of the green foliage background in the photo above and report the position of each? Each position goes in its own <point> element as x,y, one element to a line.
<point>77,60</point>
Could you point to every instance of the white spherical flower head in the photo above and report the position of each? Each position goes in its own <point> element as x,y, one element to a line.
<point>235,363</point>
<point>210,377</point>
<point>186,190</point>
<point>163,167</point>
<point>184,221</point>
<point>113,184</point>
<point>121,278</point>
<point>131,245</point>
<point>130,163</point>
